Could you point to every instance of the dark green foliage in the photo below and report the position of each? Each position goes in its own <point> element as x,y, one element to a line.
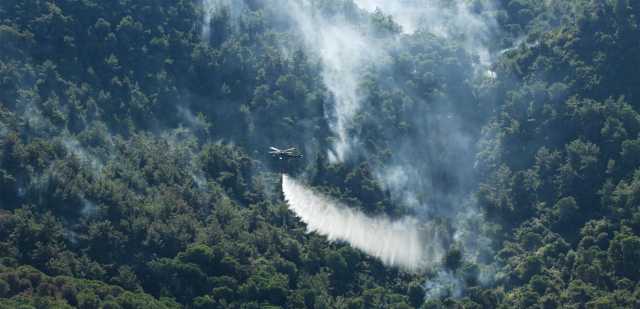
<point>453,259</point>
<point>565,135</point>
<point>133,173</point>
<point>27,286</point>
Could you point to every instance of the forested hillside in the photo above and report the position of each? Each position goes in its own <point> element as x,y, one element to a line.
<point>134,170</point>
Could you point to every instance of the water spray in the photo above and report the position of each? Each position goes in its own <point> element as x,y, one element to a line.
<point>404,243</point>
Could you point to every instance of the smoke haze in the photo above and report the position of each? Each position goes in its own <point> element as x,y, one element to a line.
<point>344,50</point>
<point>430,169</point>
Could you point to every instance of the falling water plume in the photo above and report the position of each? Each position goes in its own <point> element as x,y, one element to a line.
<point>404,243</point>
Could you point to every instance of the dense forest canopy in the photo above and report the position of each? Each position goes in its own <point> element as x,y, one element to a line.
<point>134,170</point>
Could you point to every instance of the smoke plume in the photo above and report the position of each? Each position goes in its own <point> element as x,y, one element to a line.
<point>430,170</point>
<point>212,7</point>
<point>347,46</point>
<point>405,243</point>
<point>344,50</point>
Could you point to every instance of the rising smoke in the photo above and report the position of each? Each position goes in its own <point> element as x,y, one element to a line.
<point>212,7</point>
<point>430,171</point>
<point>344,50</point>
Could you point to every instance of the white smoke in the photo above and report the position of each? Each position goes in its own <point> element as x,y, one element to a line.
<point>183,142</point>
<point>345,51</point>
<point>211,7</point>
<point>444,284</point>
<point>412,175</point>
<point>3,130</point>
<point>195,122</point>
<point>455,20</point>
<point>402,183</point>
<point>405,243</point>
<point>208,7</point>
<point>405,12</point>
<point>73,146</point>
<point>89,208</point>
